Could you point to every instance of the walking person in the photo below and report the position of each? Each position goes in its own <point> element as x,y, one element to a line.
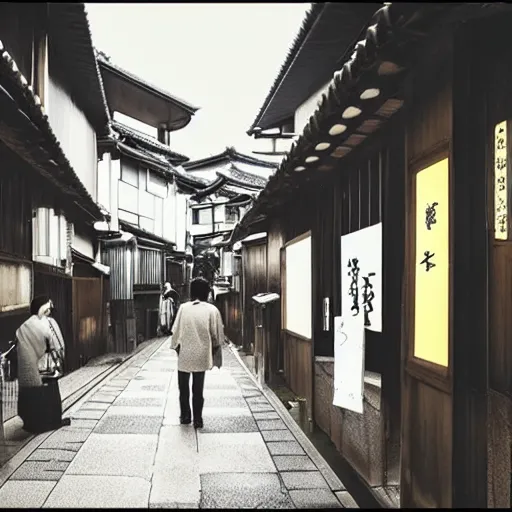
<point>198,335</point>
<point>40,352</point>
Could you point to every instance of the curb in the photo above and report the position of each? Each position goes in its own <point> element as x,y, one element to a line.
<point>332,480</point>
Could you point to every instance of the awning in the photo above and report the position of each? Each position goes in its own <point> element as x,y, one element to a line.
<point>79,257</point>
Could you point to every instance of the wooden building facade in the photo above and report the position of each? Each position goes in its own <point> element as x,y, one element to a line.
<point>420,111</point>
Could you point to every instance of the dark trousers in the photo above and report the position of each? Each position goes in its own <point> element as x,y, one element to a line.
<point>197,394</point>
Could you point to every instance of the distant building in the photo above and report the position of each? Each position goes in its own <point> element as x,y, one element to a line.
<point>230,182</point>
<point>145,239</point>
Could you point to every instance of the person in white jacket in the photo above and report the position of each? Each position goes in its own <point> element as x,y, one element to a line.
<point>197,333</point>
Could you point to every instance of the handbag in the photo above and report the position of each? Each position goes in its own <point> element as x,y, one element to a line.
<point>51,364</point>
<point>217,356</point>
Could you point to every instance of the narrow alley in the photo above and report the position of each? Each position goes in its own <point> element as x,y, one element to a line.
<point>125,448</point>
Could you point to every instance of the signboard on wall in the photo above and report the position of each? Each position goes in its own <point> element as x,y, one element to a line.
<point>298,287</point>
<point>361,276</point>
<point>361,309</point>
<point>500,182</point>
<point>349,362</point>
<point>432,272</point>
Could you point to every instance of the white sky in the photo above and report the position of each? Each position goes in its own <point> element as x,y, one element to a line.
<point>220,57</point>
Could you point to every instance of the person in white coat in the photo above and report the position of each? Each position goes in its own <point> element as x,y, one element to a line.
<point>197,334</point>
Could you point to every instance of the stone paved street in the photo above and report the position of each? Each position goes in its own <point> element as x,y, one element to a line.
<point>125,448</point>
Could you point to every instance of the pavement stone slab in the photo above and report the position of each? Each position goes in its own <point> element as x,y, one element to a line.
<point>261,408</point>
<point>175,479</point>
<point>87,414</point>
<point>270,415</point>
<point>47,455</point>
<point>235,424</point>
<point>294,463</point>
<point>241,490</point>
<point>225,401</point>
<point>25,494</point>
<point>285,448</point>
<point>315,498</point>
<point>271,425</point>
<point>67,438</point>
<point>97,406</point>
<point>108,455</point>
<point>127,401</point>
<point>277,435</point>
<point>233,453</point>
<point>36,470</point>
<point>83,424</point>
<point>74,491</point>
<point>225,411</point>
<point>126,424</point>
<point>103,397</point>
<point>134,411</point>
<point>294,480</point>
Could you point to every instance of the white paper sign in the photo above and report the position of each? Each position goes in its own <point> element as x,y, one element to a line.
<point>361,276</point>
<point>349,362</point>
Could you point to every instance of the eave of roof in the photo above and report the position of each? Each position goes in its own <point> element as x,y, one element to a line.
<point>142,233</point>
<point>327,30</point>
<point>157,91</point>
<point>149,142</point>
<point>42,150</point>
<point>229,154</point>
<point>71,40</point>
<point>396,27</point>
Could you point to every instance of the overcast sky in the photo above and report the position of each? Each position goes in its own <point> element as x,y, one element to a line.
<point>220,57</point>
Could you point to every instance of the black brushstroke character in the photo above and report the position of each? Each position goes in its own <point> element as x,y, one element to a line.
<point>501,183</point>
<point>353,291</point>
<point>368,296</point>
<point>426,260</point>
<point>430,215</point>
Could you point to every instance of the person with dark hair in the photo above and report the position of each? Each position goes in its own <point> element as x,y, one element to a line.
<point>40,353</point>
<point>198,335</point>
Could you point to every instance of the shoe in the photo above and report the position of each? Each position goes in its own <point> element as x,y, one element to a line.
<point>66,422</point>
<point>185,420</point>
<point>198,423</point>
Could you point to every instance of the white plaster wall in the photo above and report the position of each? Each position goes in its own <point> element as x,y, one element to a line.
<point>104,192</point>
<point>182,217</point>
<point>83,245</point>
<point>75,134</point>
<point>306,110</point>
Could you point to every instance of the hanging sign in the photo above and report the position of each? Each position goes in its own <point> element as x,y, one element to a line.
<point>500,182</point>
<point>361,276</point>
<point>349,362</point>
<point>432,270</point>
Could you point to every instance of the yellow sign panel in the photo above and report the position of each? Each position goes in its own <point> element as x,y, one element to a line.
<point>432,275</point>
<point>500,182</point>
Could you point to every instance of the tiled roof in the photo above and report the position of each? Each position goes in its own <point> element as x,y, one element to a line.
<point>243,177</point>
<point>150,142</point>
<point>328,29</point>
<point>395,25</point>
<point>43,151</point>
<point>72,46</point>
<point>229,154</point>
<point>107,63</point>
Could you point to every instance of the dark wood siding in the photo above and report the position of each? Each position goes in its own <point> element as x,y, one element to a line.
<point>254,256</point>
<point>15,206</point>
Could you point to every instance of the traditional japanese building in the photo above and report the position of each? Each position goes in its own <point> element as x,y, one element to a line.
<point>412,129</point>
<point>145,240</point>
<point>53,110</point>
<point>230,183</point>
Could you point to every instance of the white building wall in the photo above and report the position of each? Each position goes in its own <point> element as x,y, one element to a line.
<point>306,110</point>
<point>83,245</point>
<point>182,218</point>
<point>75,134</point>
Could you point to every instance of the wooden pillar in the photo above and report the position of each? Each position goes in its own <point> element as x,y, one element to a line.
<point>470,269</point>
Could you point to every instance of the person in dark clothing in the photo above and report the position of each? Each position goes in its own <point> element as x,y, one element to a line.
<point>40,354</point>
